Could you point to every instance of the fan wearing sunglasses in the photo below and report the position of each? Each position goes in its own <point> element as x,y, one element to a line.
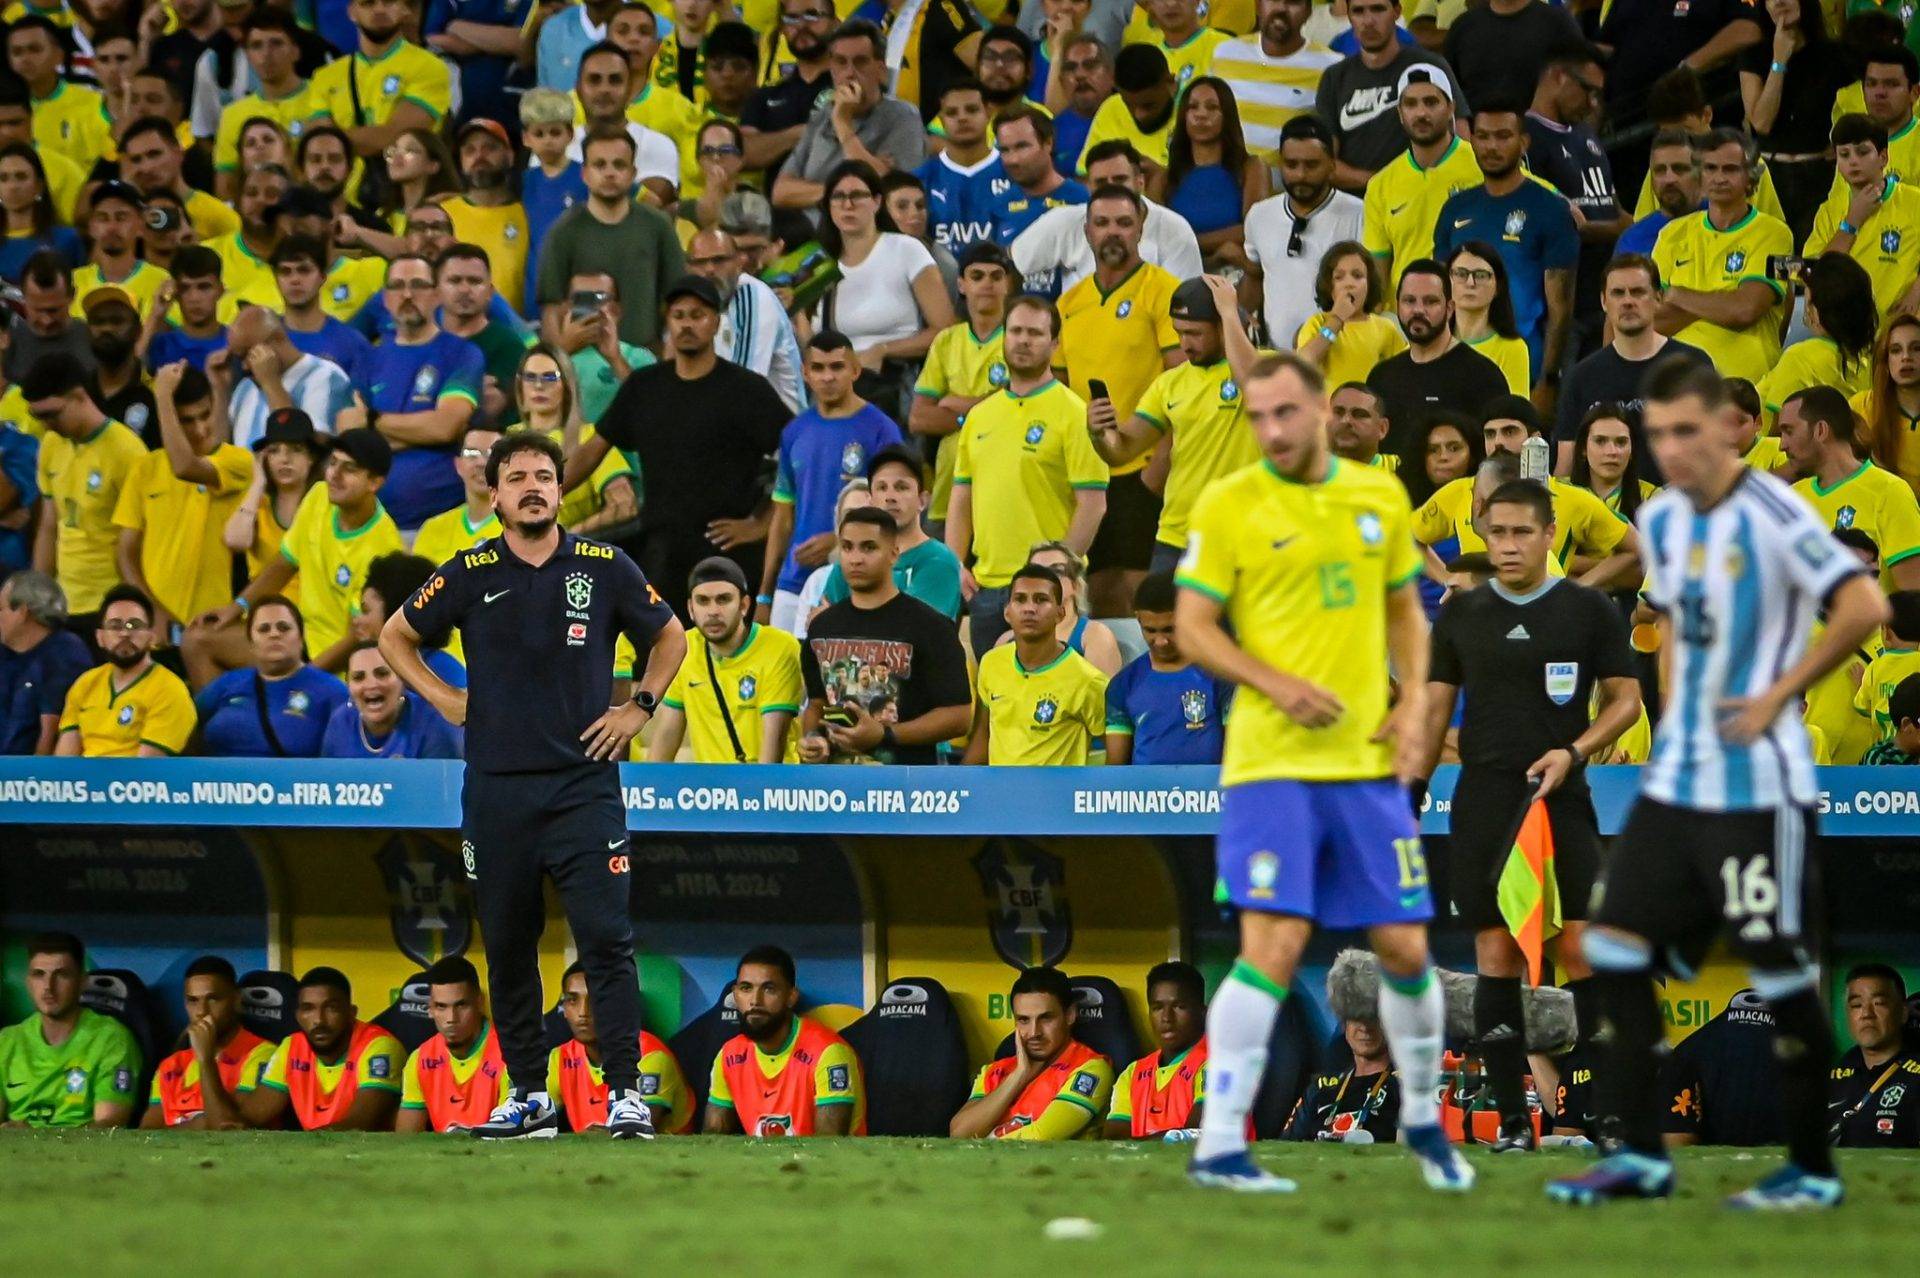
<point>1288,235</point>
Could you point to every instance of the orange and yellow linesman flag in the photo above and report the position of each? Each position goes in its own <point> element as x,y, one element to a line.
<point>1529,891</point>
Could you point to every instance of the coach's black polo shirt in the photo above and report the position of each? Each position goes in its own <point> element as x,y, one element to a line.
<point>1877,1108</point>
<point>539,644</point>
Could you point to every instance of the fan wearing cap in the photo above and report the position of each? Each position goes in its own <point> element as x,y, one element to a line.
<point>1358,95</point>
<point>1141,111</point>
<point>1405,196</point>
<point>1196,405</point>
<point>114,227</point>
<point>118,383</point>
<point>341,527</point>
<point>85,459</point>
<point>176,503</point>
<point>487,214</point>
<point>386,86</point>
<point>738,691</point>
<point>965,364</point>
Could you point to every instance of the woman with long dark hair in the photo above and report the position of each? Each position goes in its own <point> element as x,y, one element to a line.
<point>1483,312</point>
<point>1891,406</point>
<point>1844,320</point>
<point>1443,449</point>
<point>1604,461</point>
<point>27,203</point>
<point>1210,179</point>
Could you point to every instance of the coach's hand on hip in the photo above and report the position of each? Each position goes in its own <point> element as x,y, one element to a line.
<point>609,736</point>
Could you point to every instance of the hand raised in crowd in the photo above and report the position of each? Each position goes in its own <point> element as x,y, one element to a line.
<point>263,365</point>
<point>166,379</point>
<point>219,369</point>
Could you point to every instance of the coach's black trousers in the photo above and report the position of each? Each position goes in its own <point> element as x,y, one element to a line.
<point>572,826</point>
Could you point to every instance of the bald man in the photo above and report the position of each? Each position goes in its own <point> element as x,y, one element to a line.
<point>755,332</point>
<point>263,370</point>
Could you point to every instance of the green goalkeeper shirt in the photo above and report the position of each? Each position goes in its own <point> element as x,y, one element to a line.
<point>45,1086</point>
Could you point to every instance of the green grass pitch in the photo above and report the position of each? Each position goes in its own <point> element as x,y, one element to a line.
<point>177,1203</point>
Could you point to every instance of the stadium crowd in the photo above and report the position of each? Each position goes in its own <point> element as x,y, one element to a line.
<point>432,1063</point>
<point>847,314</point>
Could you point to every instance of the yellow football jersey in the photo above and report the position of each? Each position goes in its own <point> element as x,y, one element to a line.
<point>1356,348</point>
<point>502,231</point>
<point>72,122</point>
<point>958,363</point>
<point>154,710</point>
<point>188,567</point>
<point>1046,717</point>
<point>1887,247</point>
<point>246,277</point>
<point>760,677</point>
<point>291,113</point>
<point>1194,58</point>
<point>1907,459</point>
<point>1583,524</point>
<point>142,285</point>
<point>1878,503</point>
<point>1303,572</point>
<point>1511,356</point>
<point>350,282</point>
<point>333,563</point>
<point>1814,362</point>
<point>1849,733</point>
<point>404,73</point>
<point>1113,120</point>
<point>1403,201</point>
<point>1882,676</point>
<point>1199,406</point>
<point>1023,456</point>
<point>1766,454</point>
<point>1903,147</point>
<point>1693,253</point>
<point>1120,337</point>
<point>81,480</point>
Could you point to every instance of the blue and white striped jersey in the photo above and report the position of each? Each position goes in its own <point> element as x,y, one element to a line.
<point>1741,584</point>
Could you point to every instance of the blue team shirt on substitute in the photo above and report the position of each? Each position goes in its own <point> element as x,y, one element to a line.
<point>818,455</point>
<point>170,345</point>
<point>1534,233</point>
<point>545,199</point>
<point>337,341</point>
<point>1176,716</point>
<point>299,706</point>
<point>960,201</point>
<point>413,379</point>
<point>1014,210</point>
<point>421,733</point>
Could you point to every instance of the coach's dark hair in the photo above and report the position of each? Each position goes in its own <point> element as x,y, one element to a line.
<point>1886,971</point>
<point>1184,975</point>
<point>873,515</point>
<point>1828,405</point>
<point>828,340</point>
<point>1530,493</point>
<point>211,965</point>
<point>327,978</point>
<point>454,970</point>
<point>58,943</point>
<point>1156,593</point>
<point>522,441</point>
<point>1043,980</point>
<point>1677,377</point>
<point>769,956</point>
<point>1040,572</point>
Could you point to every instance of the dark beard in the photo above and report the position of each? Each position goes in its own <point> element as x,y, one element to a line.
<point>111,351</point>
<point>532,529</point>
<point>119,662</point>
<point>379,37</point>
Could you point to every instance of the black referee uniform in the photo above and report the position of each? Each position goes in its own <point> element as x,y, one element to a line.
<point>539,644</point>
<point>1528,666</point>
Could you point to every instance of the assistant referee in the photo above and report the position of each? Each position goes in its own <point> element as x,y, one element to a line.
<point>539,610</point>
<point>1528,649</point>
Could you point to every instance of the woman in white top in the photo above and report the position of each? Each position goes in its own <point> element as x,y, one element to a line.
<point>890,301</point>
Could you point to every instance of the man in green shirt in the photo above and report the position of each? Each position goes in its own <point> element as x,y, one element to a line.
<point>926,569</point>
<point>66,1065</point>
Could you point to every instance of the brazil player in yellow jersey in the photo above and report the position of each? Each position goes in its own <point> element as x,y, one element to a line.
<point>739,689</point>
<point>1039,703</point>
<point>1310,560</point>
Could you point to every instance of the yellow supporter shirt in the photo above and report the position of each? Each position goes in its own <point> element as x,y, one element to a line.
<point>404,73</point>
<point>1765,196</point>
<point>1194,58</point>
<point>1878,503</point>
<point>1048,717</point>
<point>154,710</point>
<point>760,677</point>
<point>210,216</point>
<point>1199,407</point>
<point>1887,247</point>
<point>1903,145</point>
<point>245,277</point>
<point>1356,348</point>
<point>671,113</point>
<point>1113,120</point>
<point>350,282</point>
<point>81,479</point>
<point>1303,572</point>
<point>1268,93</point>
<point>1693,253</point>
<point>1906,462</point>
<point>268,533</point>
<point>333,563</point>
<point>64,182</point>
<point>72,122</point>
<point>187,566</point>
<point>1403,201</point>
<point>1766,454</point>
<point>291,113</point>
<point>1583,524</point>
<point>1849,733</point>
<point>1814,362</point>
<point>142,285</point>
<point>1022,457</point>
<point>958,363</point>
<point>1882,676</point>
<point>502,231</point>
<point>1120,337</point>
<point>589,498</point>
<point>1511,356</point>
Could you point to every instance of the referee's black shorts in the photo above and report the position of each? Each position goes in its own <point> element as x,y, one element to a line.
<point>1128,529</point>
<point>1486,811</point>
<point>1677,876</point>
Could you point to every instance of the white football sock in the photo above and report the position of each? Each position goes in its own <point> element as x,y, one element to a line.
<point>1239,1026</point>
<point>1413,1013</point>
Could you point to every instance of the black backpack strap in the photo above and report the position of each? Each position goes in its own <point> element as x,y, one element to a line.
<point>720,699</point>
<point>266,720</point>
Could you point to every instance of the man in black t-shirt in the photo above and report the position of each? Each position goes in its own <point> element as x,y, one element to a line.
<point>1437,370</point>
<point>1529,651</point>
<point>702,428</point>
<point>1875,1101</point>
<point>777,113</point>
<point>1719,1085</point>
<point>886,677</point>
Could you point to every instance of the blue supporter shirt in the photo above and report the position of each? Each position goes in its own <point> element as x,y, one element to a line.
<point>299,706</point>
<point>413,379</point>
<point>171,345</point>
<point>1014,210</point>
<point>1174,716</point>
<point>545,199</point>
<point>1533,230</point>
<point>35,683</point>
<point>20,463</point>
<point>335,340</point>
<point>374,321</point>
<point>421,733</point>
<point>1641,236</point>
<point>1070,130</point>
<point>15,250</point>
<point>961,200</point>
<point>446,665</point>
<point>818,455</point>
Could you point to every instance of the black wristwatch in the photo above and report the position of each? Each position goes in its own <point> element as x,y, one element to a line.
<point>887,741</point>
<point>646,701</point>
<point>1573,752</point>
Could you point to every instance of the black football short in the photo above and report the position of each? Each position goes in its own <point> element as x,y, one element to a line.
<point>1484,818</point>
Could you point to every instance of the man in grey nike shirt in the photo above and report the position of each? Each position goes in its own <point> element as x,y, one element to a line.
<point>1359,95</point>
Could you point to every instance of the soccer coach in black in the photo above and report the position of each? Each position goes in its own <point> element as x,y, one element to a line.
<point>539,610</point>
<point>1528,649</point>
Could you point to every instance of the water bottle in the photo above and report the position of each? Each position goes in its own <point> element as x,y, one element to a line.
<point>1534,462</point>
